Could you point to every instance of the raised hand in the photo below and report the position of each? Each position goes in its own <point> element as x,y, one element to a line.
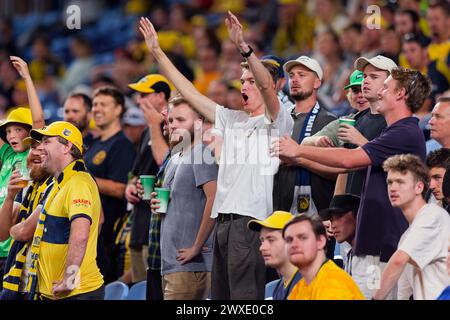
<point>234,29</point>
<point>149,34</point>
<point>21,66</point>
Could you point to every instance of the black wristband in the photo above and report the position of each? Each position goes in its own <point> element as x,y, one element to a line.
<point>247,54</point>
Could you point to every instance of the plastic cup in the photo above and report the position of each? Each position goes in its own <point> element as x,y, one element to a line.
<point>148,183</point>
<point>350,122</point>
<point>162,194</point>
<point>25,175</point>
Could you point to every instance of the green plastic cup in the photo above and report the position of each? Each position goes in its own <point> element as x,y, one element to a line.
<point>163,195</point>
<point>148,183</point>
<point>350,122</point>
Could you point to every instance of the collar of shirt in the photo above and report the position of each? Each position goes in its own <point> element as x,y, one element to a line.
<point>297,115</point>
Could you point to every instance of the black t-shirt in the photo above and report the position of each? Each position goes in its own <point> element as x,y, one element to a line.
<point>111,159</point>
<point>370,126</point>
<point>144,164</point>
<point>379,225</point>
<point>284,181</point>
<point>88,140</point>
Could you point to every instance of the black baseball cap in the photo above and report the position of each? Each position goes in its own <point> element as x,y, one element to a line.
<point>340,204</point>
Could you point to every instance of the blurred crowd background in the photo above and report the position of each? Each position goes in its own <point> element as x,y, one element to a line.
<point>108,48</point>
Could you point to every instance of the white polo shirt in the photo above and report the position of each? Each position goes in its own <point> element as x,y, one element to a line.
<point>246,170</point>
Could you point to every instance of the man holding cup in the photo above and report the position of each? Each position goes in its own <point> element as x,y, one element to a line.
<point>18,218</point>
<point>379,225</point>
<point>151,94</point>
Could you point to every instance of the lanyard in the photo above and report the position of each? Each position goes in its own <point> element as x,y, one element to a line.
<point>162,168</point>
<point>303,177</point>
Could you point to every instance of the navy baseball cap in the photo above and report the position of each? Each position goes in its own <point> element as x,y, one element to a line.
<point>277,61</point>
<point>340,204</point>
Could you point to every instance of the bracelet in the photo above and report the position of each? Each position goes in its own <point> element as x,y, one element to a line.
<point>247,54</point>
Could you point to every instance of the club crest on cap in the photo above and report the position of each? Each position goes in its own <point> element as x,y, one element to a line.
<point>66,132</point>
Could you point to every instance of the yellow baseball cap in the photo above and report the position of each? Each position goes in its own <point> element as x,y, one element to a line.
<point>21,115</point>
<point>61,129</point>
<point>153,83</point>
<point>28,141</point>
<point>277,220</point>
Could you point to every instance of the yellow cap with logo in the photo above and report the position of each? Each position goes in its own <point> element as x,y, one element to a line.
<point>61,129</point>
<point>153,83</point>
<point>20,115</point>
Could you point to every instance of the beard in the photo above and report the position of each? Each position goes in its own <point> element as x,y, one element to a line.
<point>300,96</point>
<point>181,138</point>
<point>38,173</point>
<point>82,125</point>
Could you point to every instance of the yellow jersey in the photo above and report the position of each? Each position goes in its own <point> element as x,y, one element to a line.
<point>330,283</point>
<point>439,51</point>
<point>74,197</point>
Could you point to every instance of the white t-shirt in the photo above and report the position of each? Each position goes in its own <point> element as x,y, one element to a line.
<point>426,242</point>
<point>246,170</point>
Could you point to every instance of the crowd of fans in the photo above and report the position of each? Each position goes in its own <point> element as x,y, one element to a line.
<point>304,144</point>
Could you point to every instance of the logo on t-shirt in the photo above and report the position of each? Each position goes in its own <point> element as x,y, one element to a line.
<point>81,203</point>
<point>99,157</point>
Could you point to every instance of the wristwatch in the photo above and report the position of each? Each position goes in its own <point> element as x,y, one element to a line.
<point>248,53</point>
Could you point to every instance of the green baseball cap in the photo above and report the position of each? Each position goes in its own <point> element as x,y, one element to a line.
<point>356,79</point>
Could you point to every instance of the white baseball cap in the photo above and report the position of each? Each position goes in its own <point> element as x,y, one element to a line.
<point>134,117</point>
<point>308,62</point>
<point>379,62</point>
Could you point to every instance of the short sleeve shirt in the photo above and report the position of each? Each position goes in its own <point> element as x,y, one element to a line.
<point>7,158</point>
<point>246,170</point>
<point>182,221</point>
<point>111,159</point>
<point>79,197</point>
<point>330,283</point>
<point>370,126</point>
<point>426,242</point>
<point>379,225</point>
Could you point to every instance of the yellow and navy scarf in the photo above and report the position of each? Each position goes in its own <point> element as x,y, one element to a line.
<point>15,262</point>
<point>72,169</point>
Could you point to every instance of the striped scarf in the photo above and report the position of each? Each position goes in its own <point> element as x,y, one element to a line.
<point>72,169</point>
<point>17,255</point>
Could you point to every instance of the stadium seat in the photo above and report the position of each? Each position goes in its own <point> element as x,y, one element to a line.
<point>270,287</point>
<point>138,291</point>
<point>116,290</point>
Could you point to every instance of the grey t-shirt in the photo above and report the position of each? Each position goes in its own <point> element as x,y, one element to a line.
<point>182,221</point>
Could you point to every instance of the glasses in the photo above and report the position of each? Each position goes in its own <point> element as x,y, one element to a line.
<point>356,89</point>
